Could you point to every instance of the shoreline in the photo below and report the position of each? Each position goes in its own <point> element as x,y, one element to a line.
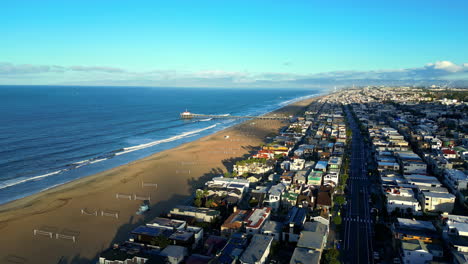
<point>70,176</point>
<point>177,171</point>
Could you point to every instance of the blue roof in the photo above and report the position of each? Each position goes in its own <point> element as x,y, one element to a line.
<point>296,215</point>
<point>151,231</point>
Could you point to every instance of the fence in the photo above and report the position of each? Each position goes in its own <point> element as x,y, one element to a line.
<point>43,233</point>
<point>123,196</point>
<point>149,184</point>
<point>141,198</point>
<point>86,212</point>
<point>110,213</point>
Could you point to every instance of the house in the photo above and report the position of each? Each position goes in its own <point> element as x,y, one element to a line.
<point>449,153</point>
<point>273,229</point>
<point>411,163</point>
<point>297,164</point>
<point>234,222</point>
<point>305,256</point>
<point>415,252</point>
<point>166,223</point>
<point>274,196</point>
<point>256,219</point>
<point>456,179</point>
<point>289,199</point>
<point>213,245</point>
<point>314,236</point>
<point>129,253</point>
<point>382,166</point>
<point>294,224</point>
<point>455,233</point>
<point>438,202</point>
<point>408,229</point>
<point>200,214</point>
<point>255,166</point>
<point>315,178</point>
<point>189,238</point>
<point>146,234</point>
<point>334,164</point>
<point>311,243</point>
<point>324,198</point>
<point>321,166</point>
<point>301,177</point>
<point>228,181</point>
<point>183,238</point>
<point>257,251</point>
<point>331,178</point>
<point>254,178</point>
<point>233,250</point>
<point>403,199</point>
<point>175,254</point>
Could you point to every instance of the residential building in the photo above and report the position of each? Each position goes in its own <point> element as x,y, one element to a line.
<point>200,214</point>
<point>257,251</point>
<point>437,202</point>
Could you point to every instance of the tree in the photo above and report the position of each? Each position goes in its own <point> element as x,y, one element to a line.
<point>197,202</point>
<point>337,220</point>
<point>340,200</point>
<point>331,256</point>
<point>210,203</point>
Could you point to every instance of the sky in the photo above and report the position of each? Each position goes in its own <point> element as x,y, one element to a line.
<point>232,43</point>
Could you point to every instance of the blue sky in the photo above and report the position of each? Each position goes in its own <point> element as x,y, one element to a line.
<point>181,42</point>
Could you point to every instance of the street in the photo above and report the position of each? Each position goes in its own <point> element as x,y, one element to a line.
<point>357,220</point>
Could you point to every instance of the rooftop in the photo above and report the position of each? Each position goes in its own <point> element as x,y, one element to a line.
<point>257,217</point>
<point>256,249</point>
<point>414,245</point>
<point>305,255</point>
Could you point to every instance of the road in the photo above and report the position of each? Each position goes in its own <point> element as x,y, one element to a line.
<point>358,226</point>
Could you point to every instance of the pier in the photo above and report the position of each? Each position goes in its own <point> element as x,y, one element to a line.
<point>188,115</point>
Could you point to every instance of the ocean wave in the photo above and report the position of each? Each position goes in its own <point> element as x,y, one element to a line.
<point>157,142</point>
<point>17,181</point>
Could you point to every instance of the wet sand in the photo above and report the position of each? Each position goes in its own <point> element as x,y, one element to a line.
<point>87,209</point>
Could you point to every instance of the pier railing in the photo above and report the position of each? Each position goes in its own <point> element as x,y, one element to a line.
<point>190,116</point>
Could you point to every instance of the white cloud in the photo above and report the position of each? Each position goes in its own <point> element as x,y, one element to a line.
<point>446,66</point>
<point>437,71</point>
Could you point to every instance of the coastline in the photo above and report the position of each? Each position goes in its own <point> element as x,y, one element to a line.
<point>15,188</point>
<point>177,171</point>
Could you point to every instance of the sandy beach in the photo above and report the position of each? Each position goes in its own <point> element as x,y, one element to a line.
<point>89,211</point>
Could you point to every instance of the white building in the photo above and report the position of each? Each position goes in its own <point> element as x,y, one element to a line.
<point>274,196</point>
<point>415,252</point>
<point>438,202</point>
<point>456,179</point>
<point>256,219</point>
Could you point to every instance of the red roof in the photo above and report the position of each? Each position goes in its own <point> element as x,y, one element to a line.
<point>449,151</point>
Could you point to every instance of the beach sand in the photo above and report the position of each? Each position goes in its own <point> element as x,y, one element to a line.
<point>178,172</point>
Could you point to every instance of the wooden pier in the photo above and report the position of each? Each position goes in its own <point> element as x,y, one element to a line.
<point>188,115</point>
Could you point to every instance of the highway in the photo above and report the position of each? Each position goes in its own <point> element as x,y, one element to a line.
<point>358,226</point>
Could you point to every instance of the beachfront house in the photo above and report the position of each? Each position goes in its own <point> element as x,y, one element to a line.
<point>200,214</point>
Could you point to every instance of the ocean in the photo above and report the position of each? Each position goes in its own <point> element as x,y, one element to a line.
<point>50,135</point>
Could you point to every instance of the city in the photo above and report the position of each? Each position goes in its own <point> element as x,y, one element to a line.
<point>364,175</point>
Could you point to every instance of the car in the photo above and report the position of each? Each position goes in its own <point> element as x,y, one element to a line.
<point>396,261</point>
<point>376,255</point>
